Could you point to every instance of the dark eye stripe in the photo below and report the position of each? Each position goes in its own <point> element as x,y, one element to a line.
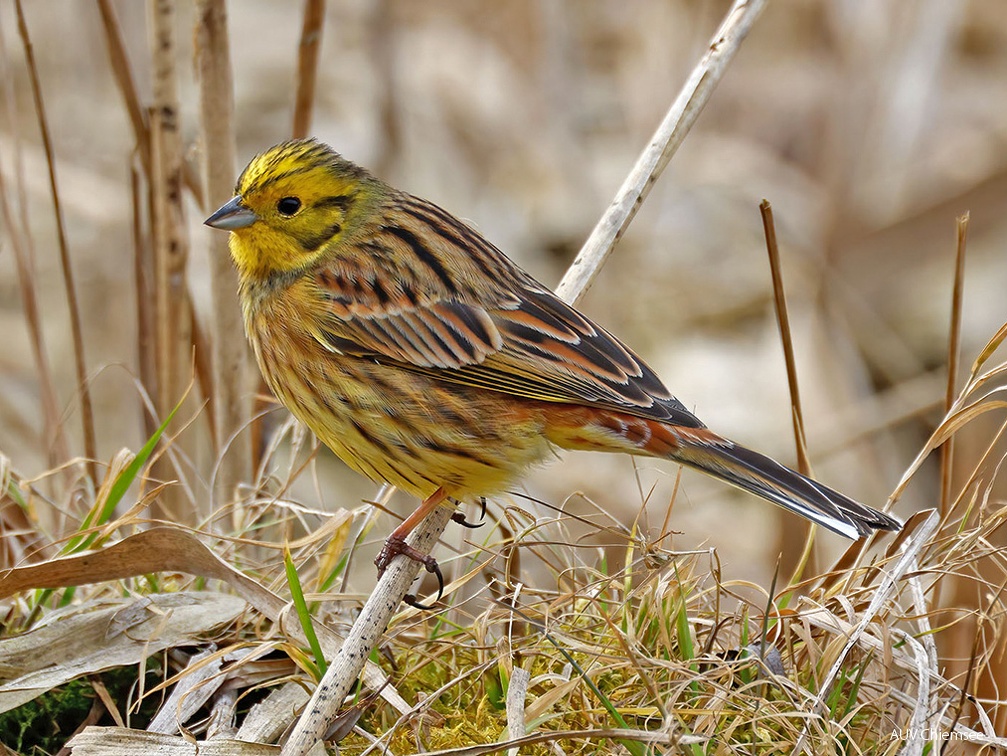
<point>313,241</point>
<point>342,201</point>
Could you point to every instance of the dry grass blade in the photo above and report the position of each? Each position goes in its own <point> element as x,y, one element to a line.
<point>669,135</point>
<point>987,351</point>
<point>793,530</point>
<point>911,548</point>
<point>307,66</point>
<point>86,408</point>
<point>105,634</point>
<point>948,427</point>
<point>954,356</point>
<point>928,664</point>
<point>116,741</point>
<point>162,549</point>
<point>197,682</point>
<point>56,444</point>
<point>230,406</point>
<point>269,718</point>
<point>115,41</point>
<point>783,321</point>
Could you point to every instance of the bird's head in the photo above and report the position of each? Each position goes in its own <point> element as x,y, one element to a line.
<point>292,203</point>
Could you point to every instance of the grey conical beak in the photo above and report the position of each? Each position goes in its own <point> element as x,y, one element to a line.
<point>232,216</point>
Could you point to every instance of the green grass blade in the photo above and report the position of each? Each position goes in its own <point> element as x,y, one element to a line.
<point>118,489</point>
<point>301,607</point>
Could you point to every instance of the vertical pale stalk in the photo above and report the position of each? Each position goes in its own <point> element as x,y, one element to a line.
<point>115,43</point>
<point>173,329</point>
<point>307,66</point>
<point>381,30</point>
<point>122,70</point>
<point>230,401</point>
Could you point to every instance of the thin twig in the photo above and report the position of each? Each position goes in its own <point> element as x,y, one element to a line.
<point>794,530</point>
<point>57,447</point>
<point>86,408</point>
<point>393,584</point>
<point>142,275</point>
<point>307,66</point>
<point>783,320</point>
<point>954,357</point>
<point>363,637</point>
<point>666,140</point>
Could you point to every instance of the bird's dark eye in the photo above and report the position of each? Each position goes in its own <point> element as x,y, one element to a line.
<point>288,206</point>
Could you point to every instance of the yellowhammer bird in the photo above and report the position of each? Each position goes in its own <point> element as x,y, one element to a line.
<point>424,357</point>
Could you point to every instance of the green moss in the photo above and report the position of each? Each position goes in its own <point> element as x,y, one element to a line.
<point>43,725</point>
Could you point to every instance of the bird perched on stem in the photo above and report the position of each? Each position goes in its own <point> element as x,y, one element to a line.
<point>425,358</point>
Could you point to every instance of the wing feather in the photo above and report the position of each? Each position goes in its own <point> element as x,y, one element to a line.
<point>505,332</point>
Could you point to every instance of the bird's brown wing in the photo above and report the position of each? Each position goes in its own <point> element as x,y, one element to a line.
<point>520,340</point>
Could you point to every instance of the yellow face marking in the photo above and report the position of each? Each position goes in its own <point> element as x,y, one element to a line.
<point>304,197</point>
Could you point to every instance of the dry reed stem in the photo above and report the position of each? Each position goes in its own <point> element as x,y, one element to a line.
<point>666,140</point>
<point>115,41</point>
<point>394,583</point>
<point>230,403</point>
<point>783,321</point>
<point>173,326</point>
<point>793,530</point>
<point>381,25</point>
<point>143,287</point>
<point>170,245</point>
<point>86,407</point>
<point>307,66</point>
<point>954,357</point>
<point>362,639</point>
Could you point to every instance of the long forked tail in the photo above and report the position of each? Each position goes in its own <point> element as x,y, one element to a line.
<point>767,478</point>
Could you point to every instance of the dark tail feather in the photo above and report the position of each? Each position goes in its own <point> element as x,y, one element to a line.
<point>772,481</point>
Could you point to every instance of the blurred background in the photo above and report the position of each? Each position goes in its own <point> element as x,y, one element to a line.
<point>870,126</point>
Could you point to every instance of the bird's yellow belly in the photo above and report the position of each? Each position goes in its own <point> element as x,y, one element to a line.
<point>410,430</point>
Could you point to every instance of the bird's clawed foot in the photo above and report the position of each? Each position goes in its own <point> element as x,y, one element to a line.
<point>395,545</point>
<point>460,518</point>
